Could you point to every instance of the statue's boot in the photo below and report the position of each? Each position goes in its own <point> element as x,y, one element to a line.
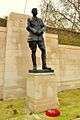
<point>44,67</point>
<point>34,67</point>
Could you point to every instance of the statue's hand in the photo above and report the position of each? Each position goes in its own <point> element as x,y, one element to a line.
<point>35,31</point>
<point>39,32</point>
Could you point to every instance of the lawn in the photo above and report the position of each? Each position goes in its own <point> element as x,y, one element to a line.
<point>69,107</point>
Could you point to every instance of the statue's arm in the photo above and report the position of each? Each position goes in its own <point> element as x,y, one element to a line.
<point>30,28</point>
<point>43,28</point>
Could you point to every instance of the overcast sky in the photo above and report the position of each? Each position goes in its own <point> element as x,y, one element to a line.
<point>8,6</point>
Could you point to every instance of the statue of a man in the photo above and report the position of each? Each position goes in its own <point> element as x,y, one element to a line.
<point>36,28</point>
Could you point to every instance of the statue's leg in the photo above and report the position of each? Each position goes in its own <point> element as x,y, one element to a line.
<point>33,46</point>
<point>41,46</point>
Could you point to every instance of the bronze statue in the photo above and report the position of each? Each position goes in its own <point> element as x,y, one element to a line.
<point>36,28</point>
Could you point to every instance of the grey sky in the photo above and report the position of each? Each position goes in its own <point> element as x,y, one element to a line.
<point>7,6</point>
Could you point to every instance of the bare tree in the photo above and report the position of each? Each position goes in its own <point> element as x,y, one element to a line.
<point>61,13</point>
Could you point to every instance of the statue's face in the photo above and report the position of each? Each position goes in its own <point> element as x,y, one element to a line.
<point>34,12</point>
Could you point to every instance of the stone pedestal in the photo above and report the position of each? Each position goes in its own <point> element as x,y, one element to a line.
<point>41,92</point>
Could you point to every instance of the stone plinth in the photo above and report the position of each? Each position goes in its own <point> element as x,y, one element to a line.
<point>41,91</point>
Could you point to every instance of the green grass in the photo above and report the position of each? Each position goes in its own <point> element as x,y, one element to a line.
<point>69,107</point>
<point>69,39</point>
<point>65,37</point>
<point>12,108</point>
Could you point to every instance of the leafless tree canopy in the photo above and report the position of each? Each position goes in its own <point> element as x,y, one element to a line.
<point>64,14</point>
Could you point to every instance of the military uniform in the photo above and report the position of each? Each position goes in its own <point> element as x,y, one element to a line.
<point>36,29</point>
<point>35,25</point>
